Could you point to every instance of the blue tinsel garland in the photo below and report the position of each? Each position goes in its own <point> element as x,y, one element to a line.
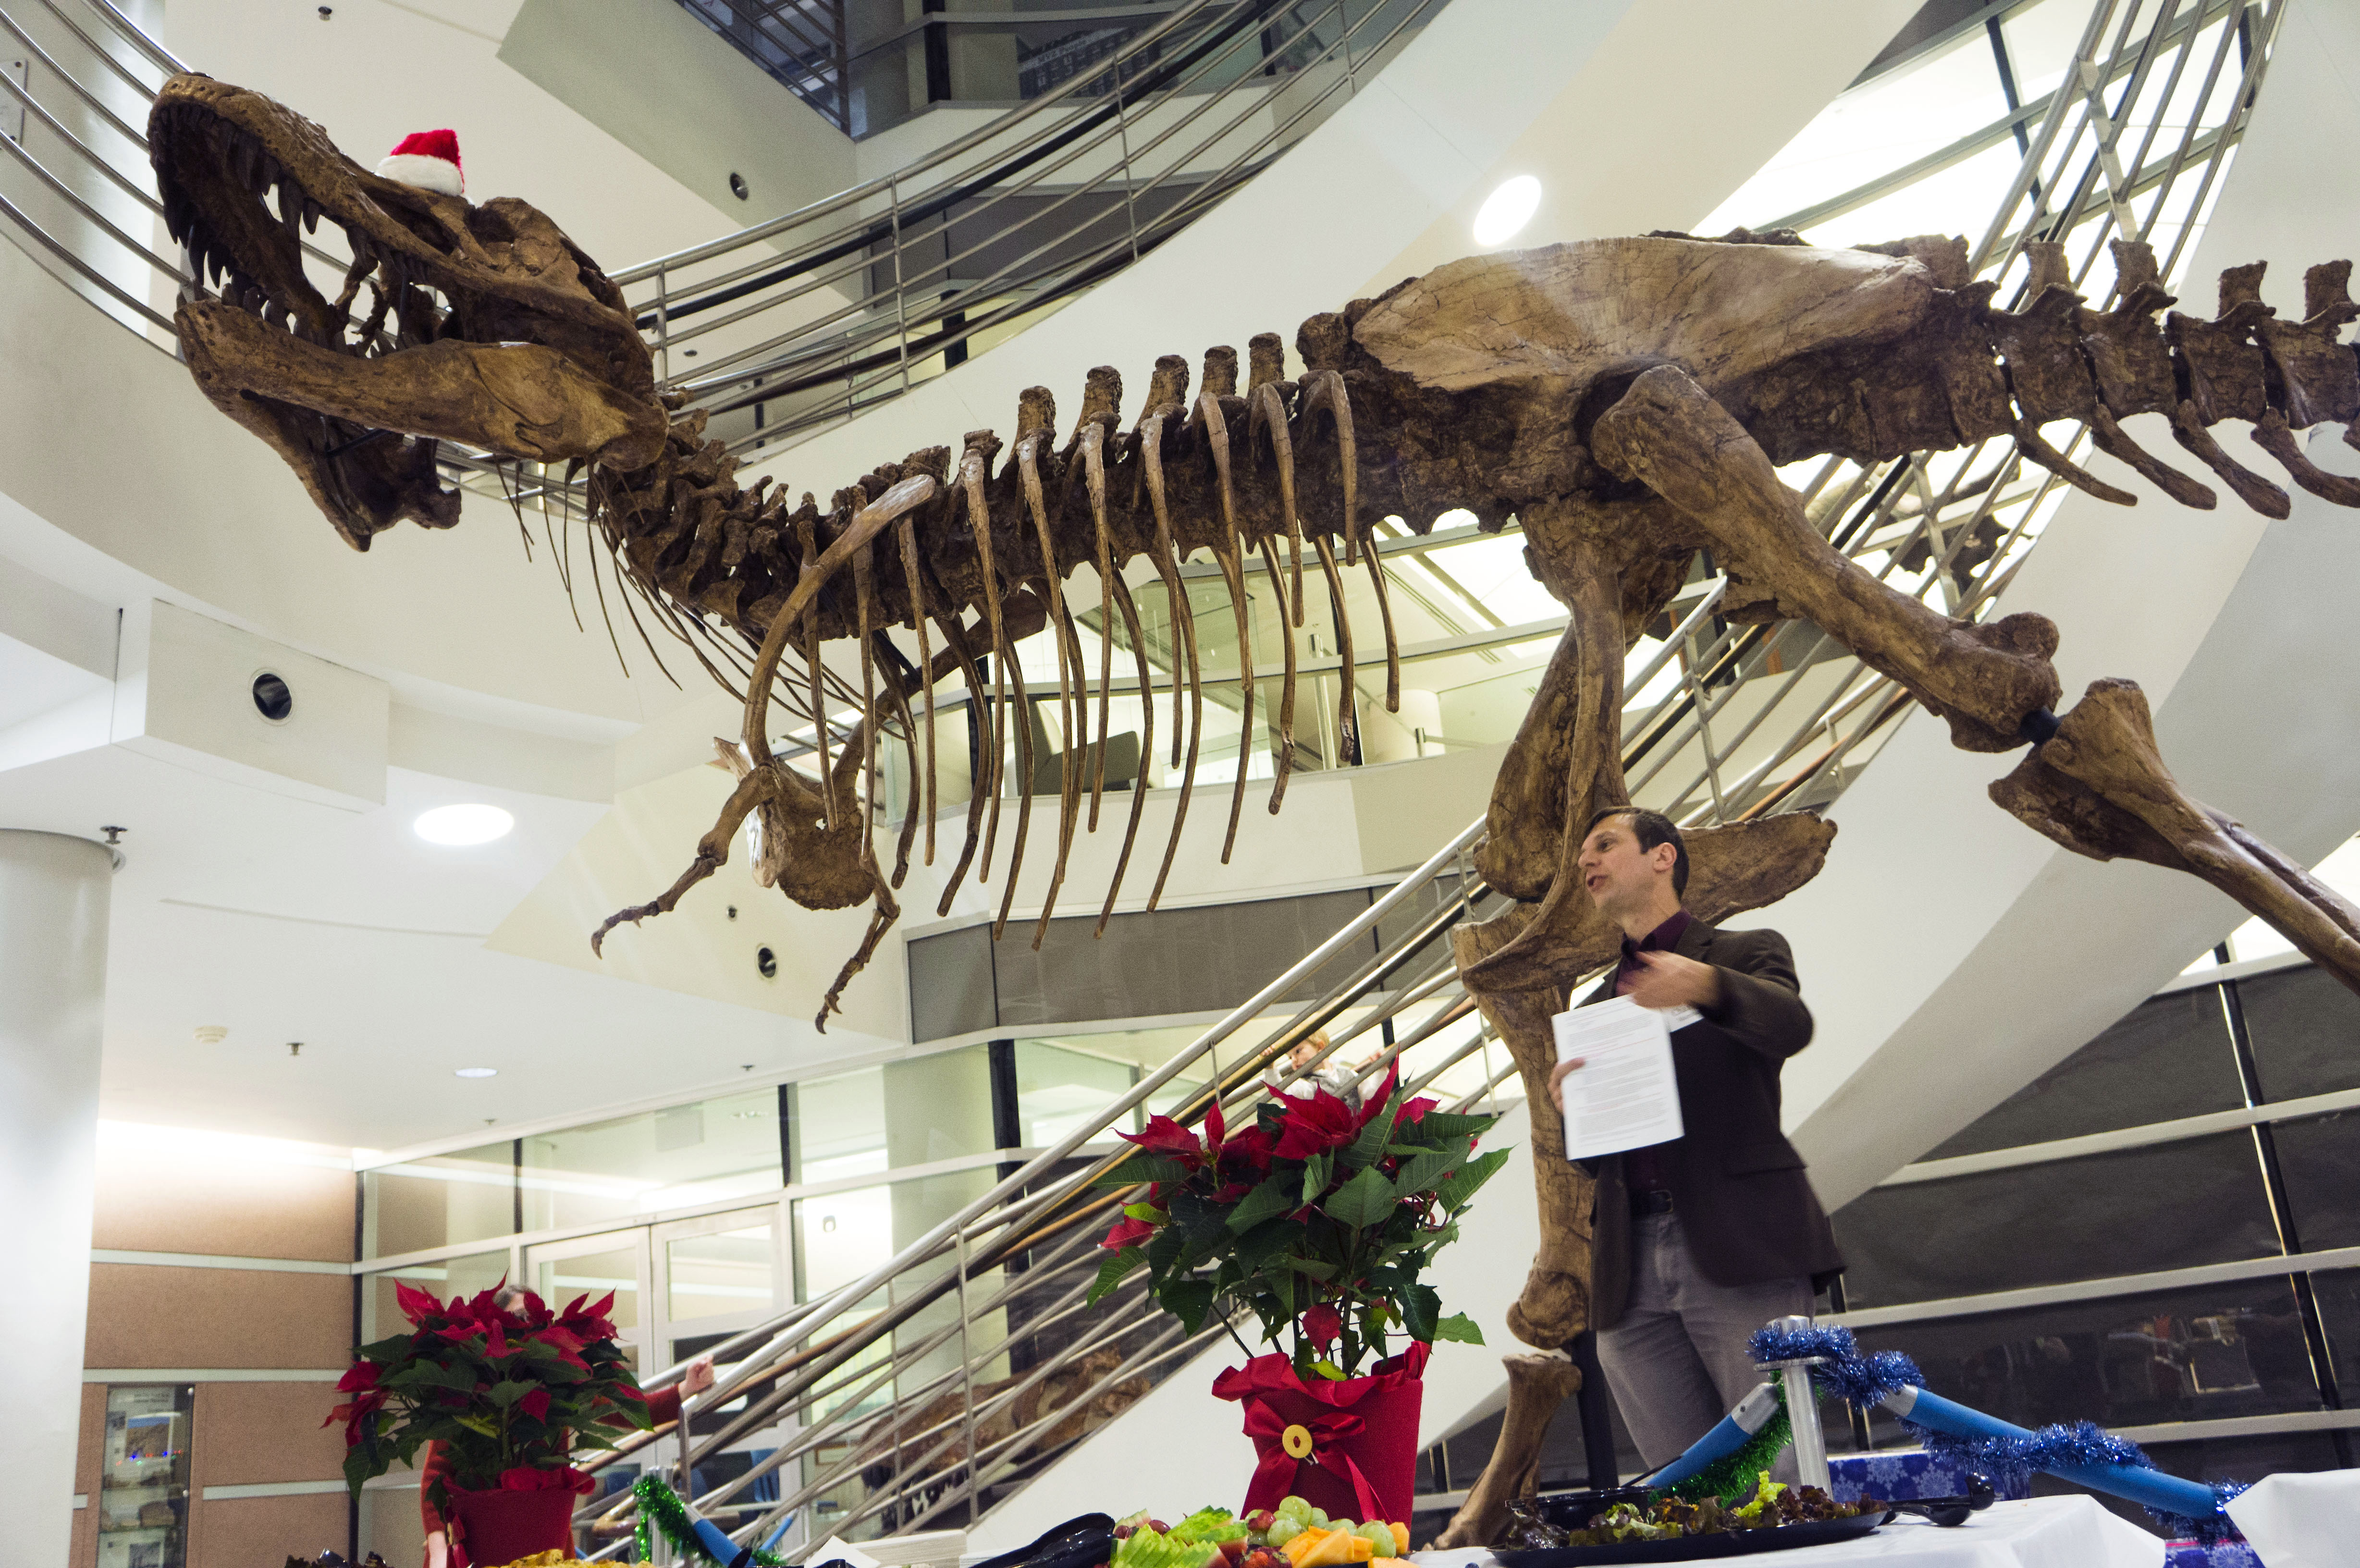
<point>1867,1379</point>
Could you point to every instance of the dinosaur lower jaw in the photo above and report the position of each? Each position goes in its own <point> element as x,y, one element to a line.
<point>339,422</point>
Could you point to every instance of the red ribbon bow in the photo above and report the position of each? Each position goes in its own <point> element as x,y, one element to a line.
<point>1278,1467</point>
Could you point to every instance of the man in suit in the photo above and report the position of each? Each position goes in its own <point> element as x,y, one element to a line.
<point>1698,1242</point>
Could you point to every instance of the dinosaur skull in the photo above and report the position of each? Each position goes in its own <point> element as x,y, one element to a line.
<point>487,326</point>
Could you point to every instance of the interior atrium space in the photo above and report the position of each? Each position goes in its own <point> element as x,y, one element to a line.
<point>1193,784</point>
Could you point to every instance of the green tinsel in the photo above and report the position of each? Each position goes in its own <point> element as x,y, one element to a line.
<point>1738,1473</point>
<point>661,1507</point>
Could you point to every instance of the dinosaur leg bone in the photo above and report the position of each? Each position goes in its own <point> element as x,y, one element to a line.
<point>1668,434</point>
<point>2099,787</point>
<point>1537,1387</point>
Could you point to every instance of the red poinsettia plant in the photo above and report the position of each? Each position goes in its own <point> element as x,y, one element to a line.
<point>508,1391</point>
<point>1315,1217</point>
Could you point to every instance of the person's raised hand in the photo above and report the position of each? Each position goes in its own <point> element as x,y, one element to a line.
<point>1667,980</point>
<point>699,1375</point>
<point>1557,1081</point>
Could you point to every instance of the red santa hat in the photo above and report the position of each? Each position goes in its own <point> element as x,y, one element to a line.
<point>428,159</point>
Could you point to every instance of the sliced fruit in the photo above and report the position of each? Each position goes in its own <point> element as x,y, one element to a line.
<point>1401,1538</point>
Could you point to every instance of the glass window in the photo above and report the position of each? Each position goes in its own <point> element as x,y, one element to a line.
<point>441,1201</point>
<point>2338,1291</point>
<point>1060,1089</point>
<point>2171,1206</point>
<point>143,1485</point>
<point>725,1148</point>
<point>840,1125</point>
<point>2306,1032</point>
<point>839,1236</point>
<point>2233,1349</point>
<point>466,1276</point>
<point>2168,1057</point>
<point>728,1271</point>
<point>2320,1158</point>
<point>558,1280</point>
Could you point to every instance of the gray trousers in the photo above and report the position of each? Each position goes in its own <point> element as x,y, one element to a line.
<point>1677,1362</point>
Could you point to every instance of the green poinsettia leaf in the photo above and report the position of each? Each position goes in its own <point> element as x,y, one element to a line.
<point>480,1425</point>
<point>508,1391</point>
<point>1462,1186</point>
<point>1111,1272</point>
<point>1313,1266</point>
<point>1370,1147</point>
<point>1425,1169</point>
<point>1439,1126</point>
<point>1266,1241</point>
<point>1164,1249</point>
<point>1275,1196</point>
<point>385,1352</point>
<point>1329,1371</point>
<point>1366,1200</point>
<point>1315,1172</point>
<point>1421,1308</point>
<point>1460,1327</point>
<point>1147,1212</point>
<point>1187,1300</point>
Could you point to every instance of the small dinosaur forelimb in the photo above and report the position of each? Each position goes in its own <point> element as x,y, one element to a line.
<point>2099,787</point>
<point>1670,434</point>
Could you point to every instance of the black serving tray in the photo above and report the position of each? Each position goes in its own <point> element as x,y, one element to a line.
<point>1698,1547</point>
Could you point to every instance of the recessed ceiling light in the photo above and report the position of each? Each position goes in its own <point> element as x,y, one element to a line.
<point>476,1071</point>
<point>464,824</point>
<point>1507,210</point>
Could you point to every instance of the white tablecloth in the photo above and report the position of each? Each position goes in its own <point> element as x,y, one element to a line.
<point>2301,1519</point>
<point>2046,1532</point>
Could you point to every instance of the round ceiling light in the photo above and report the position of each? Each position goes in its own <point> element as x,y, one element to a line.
<point>464,824</point>
<point>1506,210</point>
<point>475,1072</point>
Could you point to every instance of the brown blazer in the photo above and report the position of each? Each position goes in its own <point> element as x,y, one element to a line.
<point>1738,1186</point>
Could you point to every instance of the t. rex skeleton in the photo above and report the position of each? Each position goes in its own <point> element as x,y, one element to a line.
<point>1627,399</point>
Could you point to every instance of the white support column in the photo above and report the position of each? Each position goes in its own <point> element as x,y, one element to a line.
<point>53,903</point>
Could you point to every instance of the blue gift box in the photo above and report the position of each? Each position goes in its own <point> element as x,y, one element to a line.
<point>1905,1475</point>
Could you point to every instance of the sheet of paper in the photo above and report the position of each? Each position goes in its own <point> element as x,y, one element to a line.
<point>1625,1096</point>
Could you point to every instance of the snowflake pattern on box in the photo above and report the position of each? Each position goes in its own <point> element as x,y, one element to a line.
<point>1908,1475</point>
<point>2227,1554</point>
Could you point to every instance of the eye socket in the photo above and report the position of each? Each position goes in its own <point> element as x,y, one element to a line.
<point>737,186</point>
<point>767,962</point>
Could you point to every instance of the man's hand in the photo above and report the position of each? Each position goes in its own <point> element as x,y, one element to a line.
<point>1557,1080</point>
<point>699,1375</point>
<point>1667,980</point>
